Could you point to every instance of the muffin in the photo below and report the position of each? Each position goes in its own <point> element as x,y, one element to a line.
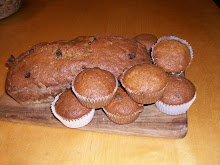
<point>178,96</point>
<point>148,40</point>
<point>94,87</point>
<point>122,109</point>
<point>9,7</point>
<point>70,112</point>
<point>172,54</point>
<point>144,83</point>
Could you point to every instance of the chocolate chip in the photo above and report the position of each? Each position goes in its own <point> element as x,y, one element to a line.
<point>83,67</point>
<point>11,60</point>
<point>31,50</point>
<point>58,53</point>
<point>118,97</point>
<point>131,56</point>
<point>90,42</point>
<point>27,75</point>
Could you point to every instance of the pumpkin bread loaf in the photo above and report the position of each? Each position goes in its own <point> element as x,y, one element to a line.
<point>39,74</point>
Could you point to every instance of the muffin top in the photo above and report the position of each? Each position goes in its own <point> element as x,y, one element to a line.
<point>122,104</point>
<point>69,107</point>
<point>148,40</point>
<point>144,78</point>
<point>171,55</point>
<point>179,90</point>
<point>95,83</point>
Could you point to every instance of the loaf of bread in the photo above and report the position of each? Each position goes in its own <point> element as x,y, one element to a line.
<point>47,69</point>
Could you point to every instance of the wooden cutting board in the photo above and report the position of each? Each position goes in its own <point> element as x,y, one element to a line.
<point>151,122</point>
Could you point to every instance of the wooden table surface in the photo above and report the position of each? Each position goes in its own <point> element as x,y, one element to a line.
<point>44,20</point>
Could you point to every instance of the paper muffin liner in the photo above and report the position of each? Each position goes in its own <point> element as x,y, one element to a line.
<point>174,109</point>
<point>72,123</point>
<point>178,39</point>
<point>122,119</point>
<point>94,102</point>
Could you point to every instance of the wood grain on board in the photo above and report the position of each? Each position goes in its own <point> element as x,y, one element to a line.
<point>151,122</point>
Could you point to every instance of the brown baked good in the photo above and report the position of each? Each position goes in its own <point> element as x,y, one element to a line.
<point>178,96</point>
<point>47,69</point>
<point>122,109</point>
<point>95,87</point>
<point>9,7</point>
<point>69,111</point>
<point>148,40</point>
<point>144,83</point>
<point>172,54</point>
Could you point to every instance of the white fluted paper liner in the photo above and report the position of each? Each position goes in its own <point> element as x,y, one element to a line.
<point>94,102</point>
<point>122,119</point>
<point>178,39</point>
<point>73,123</point>
<point>174,109</point>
